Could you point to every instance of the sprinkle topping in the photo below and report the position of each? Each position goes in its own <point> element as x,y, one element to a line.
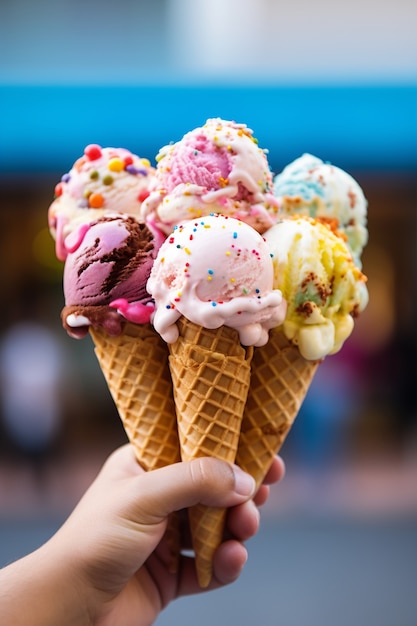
<point>93,151</point>
<point>95,200</point>
<point>116,165</point>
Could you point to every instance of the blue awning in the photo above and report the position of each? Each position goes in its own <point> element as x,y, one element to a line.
<point>45,128</point>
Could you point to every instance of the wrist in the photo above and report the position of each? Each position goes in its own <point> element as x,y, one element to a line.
<point>51,590</point>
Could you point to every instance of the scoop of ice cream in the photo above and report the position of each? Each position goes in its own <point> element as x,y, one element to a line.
<point>103,180</point>
<point>187,201</point>
<point>308,186</point>
<point>105,274</point>
<point>218,165</point>
<point>324,289</point>
<point>216,271</point>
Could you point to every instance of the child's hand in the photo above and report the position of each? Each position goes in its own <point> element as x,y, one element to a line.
<point>106,564</point>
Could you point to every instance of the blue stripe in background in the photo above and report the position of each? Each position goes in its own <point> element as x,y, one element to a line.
<point>43,129</point>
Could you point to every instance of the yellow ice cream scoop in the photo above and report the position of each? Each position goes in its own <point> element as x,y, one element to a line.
<point>324,289</point>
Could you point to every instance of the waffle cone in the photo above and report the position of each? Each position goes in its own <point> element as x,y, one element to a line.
<point>211,375</point>
<point>135,366</point>
<point>280,380</point>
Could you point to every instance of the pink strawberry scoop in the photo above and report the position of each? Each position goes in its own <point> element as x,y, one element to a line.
<point>218,168</point>
<point>196,160</point>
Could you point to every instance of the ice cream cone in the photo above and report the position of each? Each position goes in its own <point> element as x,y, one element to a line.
<point>280,380</point>
<point>210,372</point>
<point>135,366</point>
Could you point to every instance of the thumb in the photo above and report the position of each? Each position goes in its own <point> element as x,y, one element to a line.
<point>205,480</point>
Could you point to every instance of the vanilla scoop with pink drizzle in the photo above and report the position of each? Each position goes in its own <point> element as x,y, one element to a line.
<point>216,271</point>
<point>101,181</point>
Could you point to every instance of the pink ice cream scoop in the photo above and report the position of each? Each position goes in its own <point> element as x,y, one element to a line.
<point>216,271</point>
<point>105,274</point>
<point>216,168</point>
<point>198,160</point>
<point>102,181</point>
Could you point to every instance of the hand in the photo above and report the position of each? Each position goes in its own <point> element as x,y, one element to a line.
<point>106,564</point>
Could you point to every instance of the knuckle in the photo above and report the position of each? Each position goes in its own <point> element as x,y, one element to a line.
<point>212,474</point>
<point>198,472</point>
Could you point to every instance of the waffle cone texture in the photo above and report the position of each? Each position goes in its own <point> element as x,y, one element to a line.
<point>280,380</point>
<point>135,367</point>
<point>210,373</point>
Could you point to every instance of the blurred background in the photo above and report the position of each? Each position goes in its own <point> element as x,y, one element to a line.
<point>337,80</point>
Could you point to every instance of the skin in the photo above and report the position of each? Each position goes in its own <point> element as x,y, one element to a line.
<point>105,566</point>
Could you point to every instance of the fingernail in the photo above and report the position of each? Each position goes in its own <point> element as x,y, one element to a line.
<point>244,483</point>
<point>256,512</point>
